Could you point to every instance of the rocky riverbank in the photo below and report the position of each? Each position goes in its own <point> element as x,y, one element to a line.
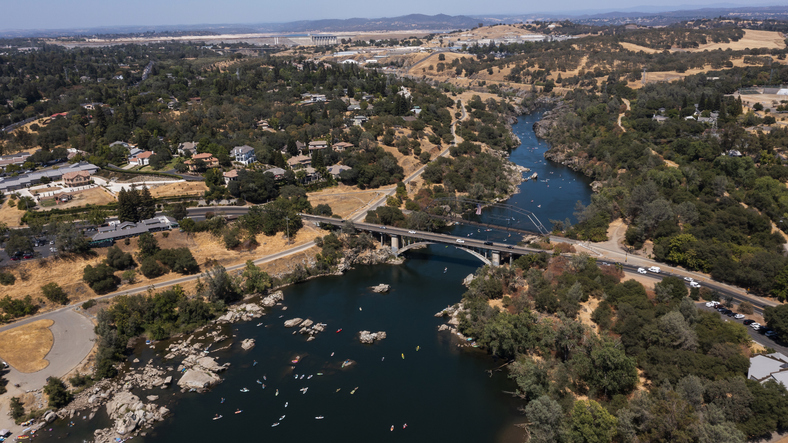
<point>565,154</point>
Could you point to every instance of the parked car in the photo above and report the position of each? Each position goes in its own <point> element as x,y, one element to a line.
<point>27,256</point>
<point>654,269</point>
<point>748,322</point>
<point>641,271</point>
<point>694,284</point>
<point>755,325</point>
<point>771,334</point>
<point>738,316</point>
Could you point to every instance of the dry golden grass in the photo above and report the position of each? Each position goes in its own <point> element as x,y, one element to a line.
<point>180,188</point>
<point>433,60</point>
<point>32,274</point>
<point>344,200</point>
<point>94,196</point>
<point>637,48</point>
<point>752,39</point>
<point>25,347</point>
<point>586,309</point>
<point>12,217</point>
<point>496,303</point>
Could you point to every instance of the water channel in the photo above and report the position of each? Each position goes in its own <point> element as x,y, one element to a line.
<point>416,376</point>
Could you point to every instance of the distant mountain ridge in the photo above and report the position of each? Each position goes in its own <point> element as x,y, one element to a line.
<point>440,22</point>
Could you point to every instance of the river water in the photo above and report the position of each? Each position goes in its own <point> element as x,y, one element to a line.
<point>416,376</point>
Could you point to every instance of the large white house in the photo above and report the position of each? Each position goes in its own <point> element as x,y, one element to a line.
<point>243,154</point>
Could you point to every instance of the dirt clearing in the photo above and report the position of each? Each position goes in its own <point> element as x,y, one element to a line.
<point>95,196</point>
<point>180,188</point>
<point>344,200</point>
<point>25,347</point>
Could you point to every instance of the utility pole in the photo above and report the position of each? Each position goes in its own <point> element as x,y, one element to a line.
<point>287,227</point>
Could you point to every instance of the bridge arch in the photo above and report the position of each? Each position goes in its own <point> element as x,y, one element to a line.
<point>481,257</point>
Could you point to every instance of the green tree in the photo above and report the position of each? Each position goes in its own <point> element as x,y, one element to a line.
<point>70,239</point>
<point>220,286</point>
<point>256,281</point>
<point>151,268</point>
<point>18,243</point>
<point>57,393</point>
<point>777,319</point>
<point>17,409</point>
<point>54,293</point>
<point>546,421</point>
<point>118,259</point>
<point>591,423</point>
<point>148,245</point>
<point>178,211</point>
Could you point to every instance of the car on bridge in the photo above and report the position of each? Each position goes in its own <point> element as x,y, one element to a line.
<point>488,243</point>
<point>459,240</point>
<point>411,232</point>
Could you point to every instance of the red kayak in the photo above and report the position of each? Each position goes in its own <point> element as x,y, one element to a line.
<point>339,330</point>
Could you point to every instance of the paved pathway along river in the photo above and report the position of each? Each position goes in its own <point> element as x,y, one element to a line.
<point>441,391</point>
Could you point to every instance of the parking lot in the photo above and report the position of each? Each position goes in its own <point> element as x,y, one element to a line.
<point>758,335</point>
<point>43,250</point>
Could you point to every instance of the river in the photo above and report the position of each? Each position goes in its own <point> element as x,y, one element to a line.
<point>416,376</point>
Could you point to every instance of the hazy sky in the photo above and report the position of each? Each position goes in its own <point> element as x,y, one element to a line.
<point>65,14</point>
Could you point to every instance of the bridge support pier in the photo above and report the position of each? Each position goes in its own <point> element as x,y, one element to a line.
<point>496,258</point>
<point>394,244</point>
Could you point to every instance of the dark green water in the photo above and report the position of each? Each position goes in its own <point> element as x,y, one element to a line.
<point>441,391</point>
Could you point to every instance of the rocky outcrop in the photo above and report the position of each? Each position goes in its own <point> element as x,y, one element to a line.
<point>272,299</point>
<point>371,337</point>
<point>308,327</point>
<point>247,344</point>
<point>242,312</point>
<point>293,322</point>
<point>467,281</point>
<point>129,413</point>
<point>198,379</point>
<point>381,288</point>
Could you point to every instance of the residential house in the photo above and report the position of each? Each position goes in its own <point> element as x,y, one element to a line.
<point>244,154</point>
<point>76,178</point>
<point>659,118</point>
<point>301,146</point>
<point>121,144</point>
<point>141,159</point>
<point>335,170</point>
<point>187,147</point>
<point>317,145</point>
<point>117,230</point>
<point>263,124</point>
<point>341,146</point>
<point>360,120</point>
<point>206,157</point>
<point>13,159</point>
<point>278,173</point>
<point>230,176</point>
<point>769,367</point>
<point>25,180</point>
<point>299,161</point>
<point>354,108</point>
<point>311,175</point>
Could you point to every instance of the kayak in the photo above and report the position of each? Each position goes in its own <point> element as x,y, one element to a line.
<point>217,417</point>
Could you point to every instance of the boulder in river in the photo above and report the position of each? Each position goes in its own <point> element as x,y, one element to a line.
<point>371,337</point>
<point>293,322</point>
<point>247,344</point>
<point>198,379</point>
<point>381,288</point>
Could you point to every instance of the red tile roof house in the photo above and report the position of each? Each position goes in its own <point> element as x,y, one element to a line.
<point>208,158</point>
<point>141,159</point>
<point>76,178</point>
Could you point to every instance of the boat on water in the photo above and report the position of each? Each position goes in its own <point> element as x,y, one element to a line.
<point>332,354</point>
<point>277,392</point>
<point>445,269</point>
<point>287,403</point>
<point>259,324</point>
<point>345,363</point>
<point>319,417</point>
<point>319,373</point>
<point>404,426</point>
<point>244,390</point>
<point>259,382</point>
<point>392,428</point>
<point>339,330</point>
<point>217,417</point>
<point>302,377</point>
<point>222,400</point>
<point>417,348</point>
<point>303,391</point>
<point>281,418</point>
<point>275,425</point>
<point>295,376</point>
<point>403,356</point>
<point>239,411</point>
<point>310,376</point>
<point>255,363</point>
<point>265,378</point>
<point>296,360</point>
<point>354,390</point>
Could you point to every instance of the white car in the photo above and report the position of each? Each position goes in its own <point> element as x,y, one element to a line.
<point>411,232</point>
<point>654,269</point>
<point>755,325</point>
<point>688,279</point>
<point>738,316</point>
<point>711,304</point>
<point>641,271</point>
<point>459,240</point>
<point>694,284</point>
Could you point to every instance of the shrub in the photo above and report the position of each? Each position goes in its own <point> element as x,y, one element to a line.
<point>17,410</point>
<point>118,259</point>
<point>88,304</point>
<point>101,278</point>
<point>54,293</point>
<point>151,268</point>
<point>57,393</point>
<point>746,308</point>
<point>7,278</point>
